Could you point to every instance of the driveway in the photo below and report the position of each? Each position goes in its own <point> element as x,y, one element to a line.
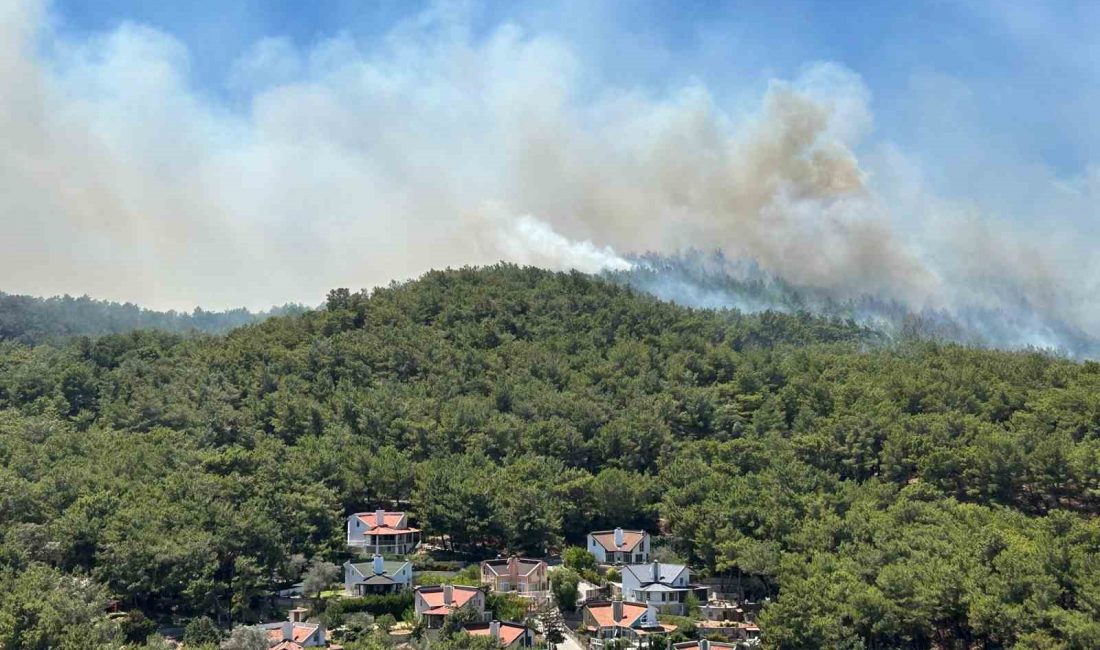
<point>569,644</point>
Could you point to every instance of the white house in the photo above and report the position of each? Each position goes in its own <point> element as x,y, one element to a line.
<point>619,546</point>
<point>381,532</point>
<point>665,586</point>
<point>379,576</point>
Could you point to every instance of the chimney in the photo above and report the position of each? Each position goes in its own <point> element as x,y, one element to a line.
<point>379,517</point>
<point>656,571</point>
<point>379,566</point>
<point>494,629</point>
<point>616,610</point>
<point>704,644</point>
<point>448,594</point>
<point>618,537</point>
<point>297,615</point>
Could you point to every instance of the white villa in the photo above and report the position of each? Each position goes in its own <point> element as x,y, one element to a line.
<point>619,546</point>
<point>379,576</point>
<point>665,586</point>
<point>383,533</point>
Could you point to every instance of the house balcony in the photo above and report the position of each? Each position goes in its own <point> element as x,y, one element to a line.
<point>386,548</point>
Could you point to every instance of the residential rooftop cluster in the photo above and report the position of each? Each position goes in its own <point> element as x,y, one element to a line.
<point>627,600</point>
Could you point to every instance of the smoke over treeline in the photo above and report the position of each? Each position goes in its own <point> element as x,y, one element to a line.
<point>353,163</point>
<point>712,281</point>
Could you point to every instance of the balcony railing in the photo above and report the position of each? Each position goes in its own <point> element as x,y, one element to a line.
<point>404,547</point>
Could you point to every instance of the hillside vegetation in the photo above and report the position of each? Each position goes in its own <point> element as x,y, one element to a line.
<point>883,496</point>
<point>31,320</point>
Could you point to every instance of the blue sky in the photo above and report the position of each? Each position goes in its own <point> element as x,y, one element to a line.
<point>1033,67</point>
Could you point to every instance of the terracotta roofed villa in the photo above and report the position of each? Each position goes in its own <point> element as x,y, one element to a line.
<point>382,532</point>
<point>619,546</point>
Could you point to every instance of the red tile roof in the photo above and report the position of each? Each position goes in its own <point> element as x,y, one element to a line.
<point>298,633</point>
<point>459,596</point>
<point>390,523</point>
<point>302,632</point>
<point>387,530</point>
<point>602,613</point>
<point>631,538</point>
<point>286,645</point>
<point>509,632</point>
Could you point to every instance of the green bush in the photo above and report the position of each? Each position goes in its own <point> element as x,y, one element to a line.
<point>578,559</point>
<point>377,605</point>
<point>201,631</point>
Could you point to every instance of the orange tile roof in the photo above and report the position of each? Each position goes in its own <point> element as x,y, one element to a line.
<point>459,596</point>
<point>302,632</point>
<point>387,530</point>
<point>602,613</point>
<point>390,523</point>
<point>631,538</point>
<point>509,632</point>
<point>287,645</point>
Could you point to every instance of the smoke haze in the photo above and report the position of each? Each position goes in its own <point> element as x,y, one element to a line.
<point>352,164</point>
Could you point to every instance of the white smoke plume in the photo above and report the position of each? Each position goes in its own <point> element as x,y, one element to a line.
<point>351,164</point>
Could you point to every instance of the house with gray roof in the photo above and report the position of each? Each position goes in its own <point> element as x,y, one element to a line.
<point>664,586</point>
<point>379,576</point>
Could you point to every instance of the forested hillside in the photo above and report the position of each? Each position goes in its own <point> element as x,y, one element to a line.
<point>37,320</point>
<point>882,495</point>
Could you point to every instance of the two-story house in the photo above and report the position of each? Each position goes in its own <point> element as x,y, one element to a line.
<point>616,619</point>
<point>381,532</point>
<point>665,586</point>
<point>379,576</point>
<point>523,576</point>
<point>433,604</point>
<point>619,546</point>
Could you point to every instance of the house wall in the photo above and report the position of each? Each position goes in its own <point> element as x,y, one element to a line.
<point>351,578</point>
<point>597,550</point>
<point>356,530</point>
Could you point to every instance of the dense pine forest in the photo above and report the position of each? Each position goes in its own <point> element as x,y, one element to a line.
<point>879,494</point>
<point>31,320</point>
